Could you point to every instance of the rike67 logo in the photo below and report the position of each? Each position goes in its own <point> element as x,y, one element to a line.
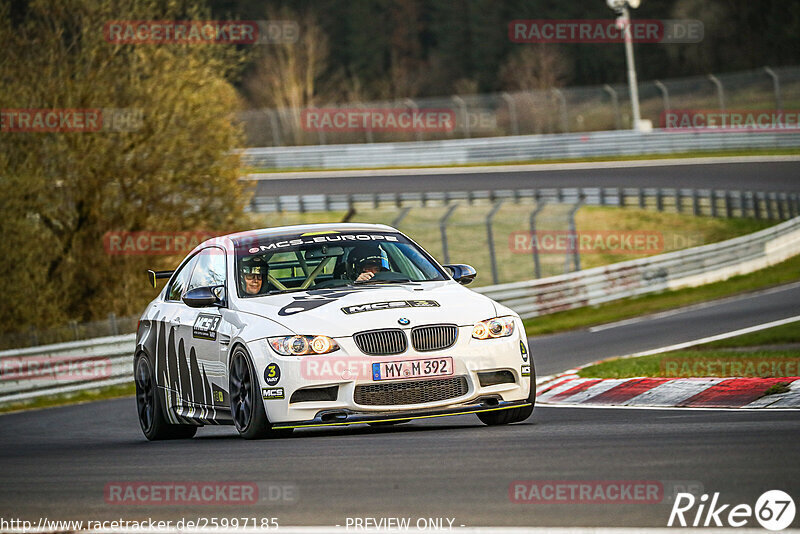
<point>774,510</point>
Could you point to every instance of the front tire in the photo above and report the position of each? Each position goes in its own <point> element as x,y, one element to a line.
<point>247,408</point>
<point>149,408</point>
<point>512,415</point>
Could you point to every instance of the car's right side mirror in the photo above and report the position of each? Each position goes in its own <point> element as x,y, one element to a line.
<point>461,273</point>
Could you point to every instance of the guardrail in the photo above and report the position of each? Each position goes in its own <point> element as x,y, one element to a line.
<point>510,149</point>
<point>715,203</point>
<point>675,270</point>
<point>65,367</point>
<point>685,268</point>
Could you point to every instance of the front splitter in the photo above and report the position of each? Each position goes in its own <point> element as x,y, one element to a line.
<point>357,418</point>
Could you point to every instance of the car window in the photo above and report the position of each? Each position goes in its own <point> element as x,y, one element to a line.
<point>180,280</point>
<point>209,271</point>
<point>335,259</point>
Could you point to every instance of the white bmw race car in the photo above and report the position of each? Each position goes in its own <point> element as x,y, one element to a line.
<point>321,325</point>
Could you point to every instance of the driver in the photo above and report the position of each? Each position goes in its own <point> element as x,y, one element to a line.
<point>367,261</point>
<point>252,275</point>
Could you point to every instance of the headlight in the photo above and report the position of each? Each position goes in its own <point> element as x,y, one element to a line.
<point>491,328</point>
<point>302,345</point>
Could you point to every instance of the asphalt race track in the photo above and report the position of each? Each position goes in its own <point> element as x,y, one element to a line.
<point>746,176</point>
<point>55,463</point>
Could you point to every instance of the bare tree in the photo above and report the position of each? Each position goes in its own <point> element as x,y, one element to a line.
<point>534,67</point>
<point>286,75</point>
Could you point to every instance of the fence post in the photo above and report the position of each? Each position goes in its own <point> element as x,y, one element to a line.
<point>642,201</point>
<point>695,203</point>
<point>720,91</point>
<point>368,129</point>
<point>413,105</point>
<point>615,105</point>
<point>776,86</point>
<point>573,237</point>
<point>495,209</point>
<point>276,131</point>
<point>563,106</point>
<point>443,229</point>
<point>678,200</point>
<point>728,206</point>
<point>33,336</point>
<point>512,112</point>
<point>664,95</point>
<point>713,200</point>
<point>463,107</point>
<point>397,220</point>
<point>756,205</point>
<point>537,267</point>
<point>112,324</point>
<point>781,212</point>
<point>770,209</point>
<point>659,199</point>
<point>621,197</point>
<point>74,326</point>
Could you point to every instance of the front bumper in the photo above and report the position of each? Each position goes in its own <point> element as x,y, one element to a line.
<point>471,357</point>
<point>347,417</point>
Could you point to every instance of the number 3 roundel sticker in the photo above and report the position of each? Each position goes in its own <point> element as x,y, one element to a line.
<point>272,374</point>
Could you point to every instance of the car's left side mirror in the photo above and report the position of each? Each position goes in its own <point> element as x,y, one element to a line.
<point>201,297</point>
<point>463,274</point>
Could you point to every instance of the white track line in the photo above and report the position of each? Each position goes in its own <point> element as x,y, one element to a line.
<point>694,307</point>
<point>531,167</point>
<point>710,339</point>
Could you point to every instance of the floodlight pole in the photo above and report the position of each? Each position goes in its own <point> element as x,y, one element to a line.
<point>632,83</point>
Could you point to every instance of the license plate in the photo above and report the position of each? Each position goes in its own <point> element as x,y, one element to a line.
<point>412,369</point>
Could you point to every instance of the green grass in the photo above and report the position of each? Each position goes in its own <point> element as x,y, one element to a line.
<point>693,154</point>
<point>110,392</point>
<point>779,335</point>
<point>685,363</point>
<point>781,273</point>
<point>468,240</point>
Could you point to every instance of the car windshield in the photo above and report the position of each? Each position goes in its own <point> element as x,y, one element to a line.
<point>280,264</point>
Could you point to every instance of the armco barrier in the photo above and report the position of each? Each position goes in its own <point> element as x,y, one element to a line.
<point>510,149</point>
<point>685,268</point>
<point>40,376</point>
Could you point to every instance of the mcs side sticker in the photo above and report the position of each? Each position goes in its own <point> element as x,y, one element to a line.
<point>272,393</point>
<point>205,326</point>
<point>526,370</point>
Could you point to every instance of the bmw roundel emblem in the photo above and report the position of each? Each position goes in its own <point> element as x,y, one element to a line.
<point>403,321</point>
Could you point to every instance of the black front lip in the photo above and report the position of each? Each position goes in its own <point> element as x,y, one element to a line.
<point>355,418</point>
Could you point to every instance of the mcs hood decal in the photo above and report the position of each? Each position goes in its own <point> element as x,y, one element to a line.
<point>316,298</point>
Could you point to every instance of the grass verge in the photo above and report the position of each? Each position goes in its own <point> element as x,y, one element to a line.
<point>77,397</point>
<point>782,273</point>
<point>747,355</point>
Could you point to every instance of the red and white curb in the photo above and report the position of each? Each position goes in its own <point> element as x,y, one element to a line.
<point>570,389</point>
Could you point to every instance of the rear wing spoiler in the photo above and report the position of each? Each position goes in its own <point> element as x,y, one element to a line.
<point>157,275</point>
